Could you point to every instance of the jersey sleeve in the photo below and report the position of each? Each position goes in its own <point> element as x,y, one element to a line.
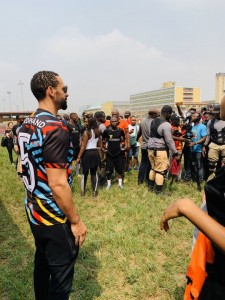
<point>55,150</point>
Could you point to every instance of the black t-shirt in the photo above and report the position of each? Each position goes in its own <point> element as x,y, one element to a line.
<point>74,132</point>
<point>114,139</point>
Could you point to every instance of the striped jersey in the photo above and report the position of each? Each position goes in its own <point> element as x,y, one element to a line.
<point>44,143</point>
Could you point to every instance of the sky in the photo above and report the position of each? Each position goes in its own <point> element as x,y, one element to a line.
<point>107,50</point>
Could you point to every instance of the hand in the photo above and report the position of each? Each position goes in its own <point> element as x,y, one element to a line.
<point>172,212</point>
<point>191,144</point>
<point>184,140</point>
<point>77,160</point>
<point>203,151</point>
<point>79,231</point>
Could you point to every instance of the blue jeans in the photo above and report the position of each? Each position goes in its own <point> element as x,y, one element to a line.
<point>145,166</point>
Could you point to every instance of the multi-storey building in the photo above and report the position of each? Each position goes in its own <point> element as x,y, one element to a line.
<point>169,94</point>
<point>219,86</point>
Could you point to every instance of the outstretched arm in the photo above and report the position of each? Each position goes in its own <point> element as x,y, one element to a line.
<point>187,208</point>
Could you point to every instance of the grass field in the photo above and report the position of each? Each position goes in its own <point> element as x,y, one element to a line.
<point>125,256</point>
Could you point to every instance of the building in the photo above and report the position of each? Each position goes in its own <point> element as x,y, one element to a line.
<point>107,107</point>
<point>219,87</point>
<point>168,94</point>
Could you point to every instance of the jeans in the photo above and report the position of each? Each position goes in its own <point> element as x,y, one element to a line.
<point>187,162</point>
<point>197,169</point>
<point>55,257</point>
<point>145,166</point>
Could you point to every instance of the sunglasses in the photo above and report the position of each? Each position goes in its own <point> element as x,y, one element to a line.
<point>65,89</point>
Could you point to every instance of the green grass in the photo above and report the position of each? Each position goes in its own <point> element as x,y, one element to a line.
<point>125,255</point>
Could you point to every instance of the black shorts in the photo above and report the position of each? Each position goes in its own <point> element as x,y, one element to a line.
<point>114,162</point>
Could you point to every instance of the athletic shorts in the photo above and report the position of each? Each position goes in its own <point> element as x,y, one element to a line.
<point>114,162</point>
<point>133,151</point>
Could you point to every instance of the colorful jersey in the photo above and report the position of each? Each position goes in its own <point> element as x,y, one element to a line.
<point>44,143</point>
<point>178,144</point>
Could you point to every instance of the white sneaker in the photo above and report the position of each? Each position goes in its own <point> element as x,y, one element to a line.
<point>108,187</point>
<point>120,187</point>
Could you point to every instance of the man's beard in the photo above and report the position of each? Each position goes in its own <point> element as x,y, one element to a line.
<point>63,104</point>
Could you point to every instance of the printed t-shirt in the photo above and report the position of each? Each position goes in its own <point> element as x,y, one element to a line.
<point>44,143</point>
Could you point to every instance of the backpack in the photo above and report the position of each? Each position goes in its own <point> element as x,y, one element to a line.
<point>4,142</point>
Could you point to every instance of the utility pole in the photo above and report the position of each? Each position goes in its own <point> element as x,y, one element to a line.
<point>3,100</point>
<point>21,89</point>
<point>9,93</point>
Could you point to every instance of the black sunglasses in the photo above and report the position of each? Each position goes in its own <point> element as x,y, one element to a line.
<point>65,89</point>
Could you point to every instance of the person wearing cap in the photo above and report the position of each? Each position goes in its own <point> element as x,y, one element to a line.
<point>159,143</point>
<point>215,140</point>
<point>144,133</point>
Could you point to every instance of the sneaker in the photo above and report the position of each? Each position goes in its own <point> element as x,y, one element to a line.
<point>108,187</point>
<point>82,193</point>
<point>136,168</point>
<point>129,169</point>
<point>120,187</point>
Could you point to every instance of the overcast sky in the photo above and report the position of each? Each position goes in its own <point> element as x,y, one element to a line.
<point>110,49</point>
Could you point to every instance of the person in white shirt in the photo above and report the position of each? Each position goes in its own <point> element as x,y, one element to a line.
<point>133,129</point>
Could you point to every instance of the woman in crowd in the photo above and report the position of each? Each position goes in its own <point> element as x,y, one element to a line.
<point>9,136</point>
<point>89,155</point>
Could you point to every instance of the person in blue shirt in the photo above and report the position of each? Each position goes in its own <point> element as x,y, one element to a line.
<point>199,132</point>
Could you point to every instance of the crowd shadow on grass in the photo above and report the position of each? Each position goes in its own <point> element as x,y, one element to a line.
<point>16,260</point>
<point>86,286</point>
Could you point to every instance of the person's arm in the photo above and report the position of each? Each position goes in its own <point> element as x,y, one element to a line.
<point>139,134</point>
<point>207,140</point>
<point>127,139</point>
<point>57,181</point>
<point>165,128</point>
<point>179,110</point>
<point>179,138</point>
<point>99,143</point>
<point>83,146</point>
<point>187,208</point>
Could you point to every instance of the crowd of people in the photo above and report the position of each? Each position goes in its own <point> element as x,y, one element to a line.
<point>110,145</point>
<point>194,142</point>
<point>49,147</point>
